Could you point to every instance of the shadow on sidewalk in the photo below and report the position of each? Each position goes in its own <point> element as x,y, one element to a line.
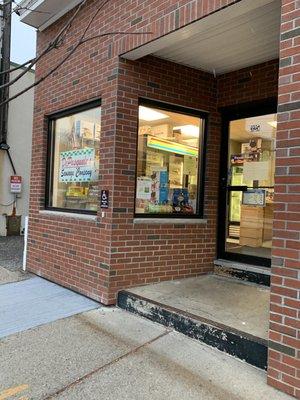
<point>11,252</point>
<point>11,259</point>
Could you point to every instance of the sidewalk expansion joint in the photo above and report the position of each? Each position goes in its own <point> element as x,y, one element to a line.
<point>105,366</point>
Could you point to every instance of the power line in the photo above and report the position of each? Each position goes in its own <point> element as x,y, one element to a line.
<point>53,44</point>
<point>58,40</point>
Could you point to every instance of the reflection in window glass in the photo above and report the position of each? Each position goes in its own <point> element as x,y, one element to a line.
<point>167,163</point>
<point>76,161</point>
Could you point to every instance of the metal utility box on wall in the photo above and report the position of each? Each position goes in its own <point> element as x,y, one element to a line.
<point>13,225</point>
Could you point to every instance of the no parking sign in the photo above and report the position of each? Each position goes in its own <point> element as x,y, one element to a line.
<point>15,184</point>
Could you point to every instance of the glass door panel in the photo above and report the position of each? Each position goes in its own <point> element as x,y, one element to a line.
<point>250,186</point>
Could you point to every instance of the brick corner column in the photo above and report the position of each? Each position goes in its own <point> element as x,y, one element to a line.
<point>284,337</point>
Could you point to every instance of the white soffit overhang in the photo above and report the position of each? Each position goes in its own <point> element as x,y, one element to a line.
<point>239,36</point>
<point>43,13</point>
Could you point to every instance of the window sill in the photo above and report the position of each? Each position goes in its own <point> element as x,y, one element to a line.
<point>87,217</point>
<point>170,221</point>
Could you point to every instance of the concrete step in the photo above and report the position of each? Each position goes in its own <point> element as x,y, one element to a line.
<point>207,309</point>
<point>244,272</point>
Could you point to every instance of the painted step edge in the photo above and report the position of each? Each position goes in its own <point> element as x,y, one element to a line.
<point>259,275</point>
<point>243,266</point>
<point>246,347</point>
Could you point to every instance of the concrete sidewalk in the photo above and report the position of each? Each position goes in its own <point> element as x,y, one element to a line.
<point>112,355</point>
<point>36,301</point>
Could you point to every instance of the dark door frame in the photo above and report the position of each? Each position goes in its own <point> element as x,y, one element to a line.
<point>239,111</point>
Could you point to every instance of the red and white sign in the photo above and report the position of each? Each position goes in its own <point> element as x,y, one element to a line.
<point>15,184</point>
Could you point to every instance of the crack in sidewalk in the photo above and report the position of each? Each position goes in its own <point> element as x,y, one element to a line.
<point>104,366</point>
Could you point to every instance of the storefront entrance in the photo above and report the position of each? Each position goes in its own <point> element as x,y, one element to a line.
<point>247,185</point>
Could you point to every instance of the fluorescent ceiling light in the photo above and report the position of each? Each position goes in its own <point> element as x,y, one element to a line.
<point>173,147</point>
<point>273,124</point>
<point>188,130</point>
<point>148,114</point>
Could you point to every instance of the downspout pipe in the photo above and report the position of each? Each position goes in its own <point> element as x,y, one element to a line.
<point>5,23</point>
<point>11,161</point>
<point>6,12</point>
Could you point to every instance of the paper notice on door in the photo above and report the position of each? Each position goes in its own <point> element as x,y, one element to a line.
<point>256,171</point>
<point>143,189</point>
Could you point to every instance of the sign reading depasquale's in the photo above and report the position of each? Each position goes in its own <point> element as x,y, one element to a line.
<point>77,165</point>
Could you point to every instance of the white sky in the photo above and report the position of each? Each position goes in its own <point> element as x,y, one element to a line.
<point>23,41</point>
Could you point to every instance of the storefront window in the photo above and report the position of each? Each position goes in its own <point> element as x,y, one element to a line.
<point>74,160</point>
<point>170,151</point>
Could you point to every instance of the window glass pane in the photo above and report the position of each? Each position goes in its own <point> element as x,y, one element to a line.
<point>76,161</point>
<point>167,164</point>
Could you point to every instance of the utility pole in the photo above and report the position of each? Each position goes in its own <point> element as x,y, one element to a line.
<point>5,16</point>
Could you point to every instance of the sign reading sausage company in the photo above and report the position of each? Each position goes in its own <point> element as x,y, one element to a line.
<point>77,165</point>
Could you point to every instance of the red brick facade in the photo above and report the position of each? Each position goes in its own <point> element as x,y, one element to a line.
<point>100,256</point>
<point>284,354</point>
<point>153,252</point>
<point>150,253</point>
<point>63,248</point>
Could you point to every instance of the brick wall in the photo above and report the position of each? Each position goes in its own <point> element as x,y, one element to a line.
<point>64,249</point>
<point>284,354</point>
<point>154,252</point>
<point>249,84</point>
<point>98,257</point>
<point>160,17</point>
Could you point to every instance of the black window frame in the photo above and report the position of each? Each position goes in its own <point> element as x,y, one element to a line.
<point>204,116</point>
<point>50,120</point>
